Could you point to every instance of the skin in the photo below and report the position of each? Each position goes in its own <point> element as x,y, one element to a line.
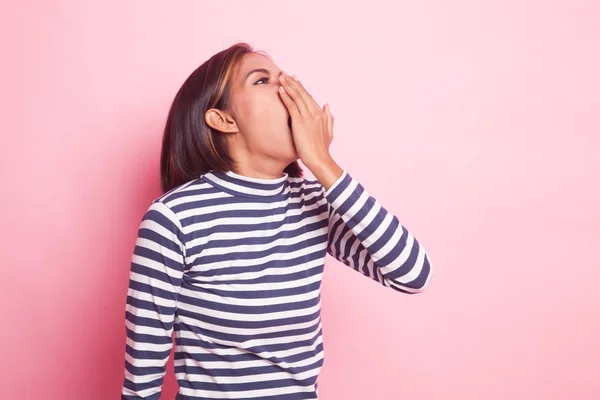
<point>256,125</point>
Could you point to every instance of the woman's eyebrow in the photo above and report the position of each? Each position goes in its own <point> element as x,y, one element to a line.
<point>264,70</point>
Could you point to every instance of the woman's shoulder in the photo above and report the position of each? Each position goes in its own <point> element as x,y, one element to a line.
<point>180,201</point>
<point>180,192</point>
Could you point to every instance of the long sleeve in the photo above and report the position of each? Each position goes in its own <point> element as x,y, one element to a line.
<point>156,272</point>
<point>365,236</point>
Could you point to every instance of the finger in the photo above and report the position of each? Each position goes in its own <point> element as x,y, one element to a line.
<point>292,91</point>
<point>310,105</point>
<point>308,99</point>
<point>289,103</point>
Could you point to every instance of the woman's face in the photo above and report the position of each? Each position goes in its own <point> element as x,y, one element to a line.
<point>260,115</point>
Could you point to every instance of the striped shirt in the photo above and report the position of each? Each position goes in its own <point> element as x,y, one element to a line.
<point>233,265</point>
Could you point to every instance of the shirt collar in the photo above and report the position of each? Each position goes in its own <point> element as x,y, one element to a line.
<point>246,186</point>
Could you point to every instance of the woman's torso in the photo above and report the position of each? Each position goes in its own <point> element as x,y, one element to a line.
<point>248,311</point>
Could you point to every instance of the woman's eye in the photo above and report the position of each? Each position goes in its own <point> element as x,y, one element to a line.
<point>261,79</point>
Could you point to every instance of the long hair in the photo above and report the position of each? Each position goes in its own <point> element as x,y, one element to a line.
<point>190,147</point>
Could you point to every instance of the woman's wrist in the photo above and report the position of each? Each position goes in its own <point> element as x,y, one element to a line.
<point>327,172</point>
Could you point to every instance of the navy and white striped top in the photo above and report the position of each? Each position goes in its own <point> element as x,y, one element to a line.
<point>233,265</point>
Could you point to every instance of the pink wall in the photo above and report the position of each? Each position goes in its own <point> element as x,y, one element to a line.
<point>477,125</point>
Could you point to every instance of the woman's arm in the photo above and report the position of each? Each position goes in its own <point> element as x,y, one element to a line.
<point>155,277</point>
<point>368,238</point>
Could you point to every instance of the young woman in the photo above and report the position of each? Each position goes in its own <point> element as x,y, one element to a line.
<point>231,255</point>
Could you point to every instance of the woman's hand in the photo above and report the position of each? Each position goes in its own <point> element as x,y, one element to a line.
<point>312,127</point>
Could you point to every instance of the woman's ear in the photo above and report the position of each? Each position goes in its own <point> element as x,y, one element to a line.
<point>220,121</point>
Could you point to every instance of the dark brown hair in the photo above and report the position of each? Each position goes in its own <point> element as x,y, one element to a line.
<point>190,147</point>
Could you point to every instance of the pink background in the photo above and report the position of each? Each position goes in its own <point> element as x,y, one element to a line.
<point>477,125</point>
